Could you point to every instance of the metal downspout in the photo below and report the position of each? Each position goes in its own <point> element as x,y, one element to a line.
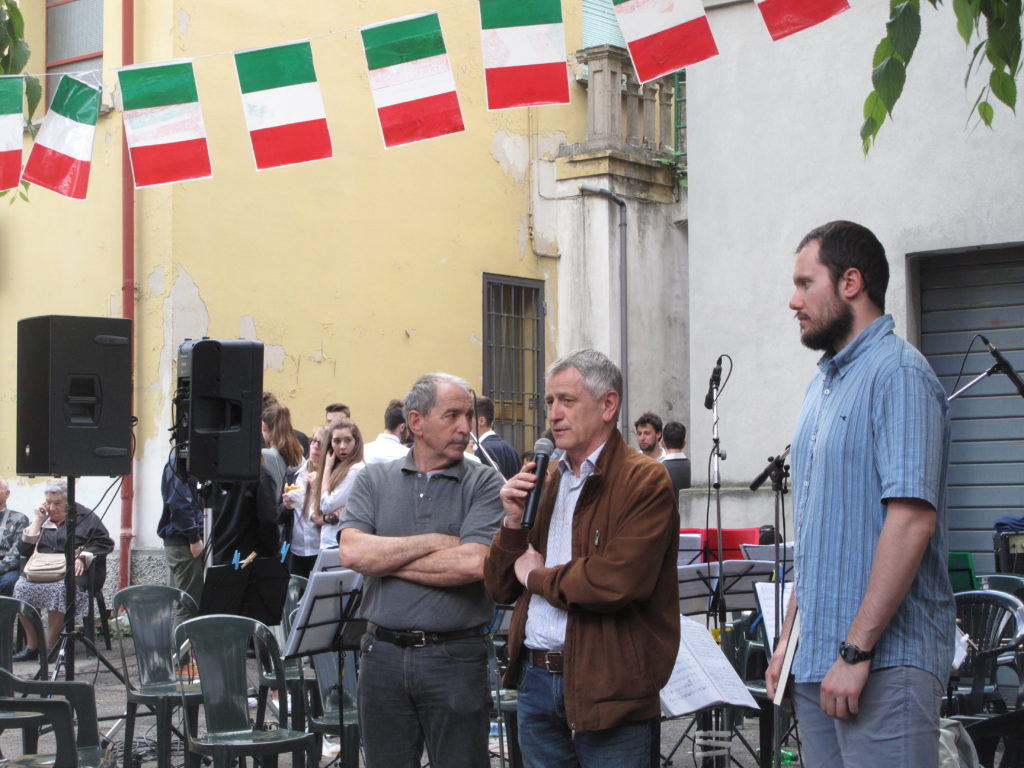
<point>127,290</point>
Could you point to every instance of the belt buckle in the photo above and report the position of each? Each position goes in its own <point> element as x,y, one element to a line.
<point>547,660</point>
<point>419,638</point>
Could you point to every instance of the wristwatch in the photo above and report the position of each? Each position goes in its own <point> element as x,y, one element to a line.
<point>851,654</point>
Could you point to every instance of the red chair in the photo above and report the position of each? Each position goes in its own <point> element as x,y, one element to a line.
<point>731,540</point>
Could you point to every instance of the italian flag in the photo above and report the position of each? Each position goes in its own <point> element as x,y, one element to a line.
<point>163,123</point>
<point>663,36</point>
<point>784,17</point>
<point>411,79</point>
<point>523,44</point>
<point>12,128</point>
<point>283,106</point>
<point>62,153</point>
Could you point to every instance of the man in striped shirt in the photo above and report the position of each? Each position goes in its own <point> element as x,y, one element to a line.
<point>869,473</point>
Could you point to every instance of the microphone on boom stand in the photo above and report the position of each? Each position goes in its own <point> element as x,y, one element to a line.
<point>713,384</point>
<point>542,448</point>
<point>1004,365</point>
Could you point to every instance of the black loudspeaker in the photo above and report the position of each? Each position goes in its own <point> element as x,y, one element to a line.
<point>74,396</point>
<point>218,407</point>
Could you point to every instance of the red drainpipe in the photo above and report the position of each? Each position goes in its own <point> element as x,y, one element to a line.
<point>127,286</point>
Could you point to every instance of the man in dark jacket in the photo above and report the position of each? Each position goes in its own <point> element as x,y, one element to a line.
<point>595,630</point>
<point>496,452</point>
<point>181,528</point>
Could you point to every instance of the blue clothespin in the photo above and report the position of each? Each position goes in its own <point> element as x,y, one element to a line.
<point>284,550</point>
<point>236,559</point>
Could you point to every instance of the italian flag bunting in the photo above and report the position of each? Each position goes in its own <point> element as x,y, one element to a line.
<point>163,123</point>
<point>523,43</point>
<point>663,36</point>
<point>784,17</point>
<point>283,106</point>
<point>411,79</point>
<point>12,128</point>
<point>62,153</point>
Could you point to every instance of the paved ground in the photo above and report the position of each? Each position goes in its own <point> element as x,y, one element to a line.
<point>111,700</point>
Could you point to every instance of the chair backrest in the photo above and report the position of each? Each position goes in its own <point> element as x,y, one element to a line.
<point>961,571</point>
<point>994,621</point>
<point>292,597</point>
<point>10,610</point>
<point>1010,583</point>
<point>80,695</point>
<point>151,609</point>
<point>219,643</point>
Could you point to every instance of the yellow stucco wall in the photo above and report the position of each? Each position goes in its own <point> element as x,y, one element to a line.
<point>358,273</point>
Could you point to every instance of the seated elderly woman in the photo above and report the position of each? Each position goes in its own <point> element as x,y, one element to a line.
<point>46,534</point>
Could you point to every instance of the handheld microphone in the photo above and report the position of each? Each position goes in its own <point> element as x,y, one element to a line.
<point>542,448</point>
<point>716,379</point>
<point>1004,365</point>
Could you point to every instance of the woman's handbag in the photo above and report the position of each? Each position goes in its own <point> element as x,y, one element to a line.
<point>44,567</point>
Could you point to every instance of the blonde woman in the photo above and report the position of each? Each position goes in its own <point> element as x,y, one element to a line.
<point>301,501</point>
<point>343,462</point>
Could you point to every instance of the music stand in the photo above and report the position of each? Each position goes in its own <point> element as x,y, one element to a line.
<point>767,552</point>
<point>257,590</point>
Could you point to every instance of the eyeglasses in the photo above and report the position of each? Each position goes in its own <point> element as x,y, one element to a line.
<point>316,441</point>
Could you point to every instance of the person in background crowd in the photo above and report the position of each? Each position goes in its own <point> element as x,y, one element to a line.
<point>269,398</point>
<point>12,524</point>
<point>877,615</point>
<point>648,435</point>
<point>246,520</point>
<point>301,500</point>
<point>181,527</point>
<point>283,450</point>
<point>675,461</point>
<point>505,457</point>
<point>389,444</point>
<point>418,529</point>
<point>46,533</point>
<point>343,463</point>
<point>336,411</point>
<point>595,630</point>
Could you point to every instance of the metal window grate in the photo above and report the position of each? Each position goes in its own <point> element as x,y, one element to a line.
<point>514,357</point>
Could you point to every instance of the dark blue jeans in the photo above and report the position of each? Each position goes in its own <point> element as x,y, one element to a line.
<point>436,695</point>
<point>547,741</point>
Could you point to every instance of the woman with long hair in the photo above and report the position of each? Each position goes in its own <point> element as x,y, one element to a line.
<point>343,462</point>
<point>301,502</point>
<point>283,449</point>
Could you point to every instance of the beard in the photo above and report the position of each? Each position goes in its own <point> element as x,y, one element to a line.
<point>835,326</point>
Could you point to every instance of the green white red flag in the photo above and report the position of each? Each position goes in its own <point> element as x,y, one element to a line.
<point>663,36</point>
<point>163,123</point>
<point>784,17</point>
<point>284,108</point>
<point>411,79</point>
<point>523,44</point>
<point>62,153</point>
<point>12,129</point>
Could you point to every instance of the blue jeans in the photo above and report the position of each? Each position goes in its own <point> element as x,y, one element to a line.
<point>7,580</point>
<point>436,695</point>
<point>897,723</point>
<point>546,740</point>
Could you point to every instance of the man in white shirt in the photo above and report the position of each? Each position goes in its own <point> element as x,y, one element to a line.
<point>390,444</point>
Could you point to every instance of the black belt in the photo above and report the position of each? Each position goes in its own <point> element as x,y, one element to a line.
<point>552,661</point>
<point>417,638</point>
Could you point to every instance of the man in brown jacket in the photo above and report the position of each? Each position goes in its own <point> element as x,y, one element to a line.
<point>595,629</point>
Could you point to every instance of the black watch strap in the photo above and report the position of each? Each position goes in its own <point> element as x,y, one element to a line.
<point>851,654</point>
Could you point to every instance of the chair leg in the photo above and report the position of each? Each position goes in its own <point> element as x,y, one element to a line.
<point>164,711</point>
<point>131,709</point>
<point>261,706</point>
<point>104,621</point>
<point>192,759</point>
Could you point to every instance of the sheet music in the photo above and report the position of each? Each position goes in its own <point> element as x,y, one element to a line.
<point>787,660</point>
<point>702,677</point>
<point>766,601</point>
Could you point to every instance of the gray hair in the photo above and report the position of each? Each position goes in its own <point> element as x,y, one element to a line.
<point>57,486</point>
<point>599,374</point>
<point>4,485</point>
<point>423,395</point>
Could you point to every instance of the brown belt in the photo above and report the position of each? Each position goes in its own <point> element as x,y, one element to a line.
<point>552,661</point>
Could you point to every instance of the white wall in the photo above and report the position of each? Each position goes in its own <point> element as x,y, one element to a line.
<point>773,152</point>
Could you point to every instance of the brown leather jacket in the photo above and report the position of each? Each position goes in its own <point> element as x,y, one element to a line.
<point>619,588</point>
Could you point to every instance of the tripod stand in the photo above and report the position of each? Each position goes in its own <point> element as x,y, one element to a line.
<point>65,655</point>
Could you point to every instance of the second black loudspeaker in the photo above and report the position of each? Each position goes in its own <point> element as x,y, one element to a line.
<point>219,405</point>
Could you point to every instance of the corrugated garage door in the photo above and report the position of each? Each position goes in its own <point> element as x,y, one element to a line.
<point>978,292</point>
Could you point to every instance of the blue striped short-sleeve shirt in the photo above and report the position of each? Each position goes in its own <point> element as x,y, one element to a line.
<point>874,426</point>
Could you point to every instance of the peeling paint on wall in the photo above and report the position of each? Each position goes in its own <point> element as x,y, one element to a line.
<point>274,355</point>
<point>512,151</point>
<point>190,319</point>
<point>155,281</point>
<point>184,19</point>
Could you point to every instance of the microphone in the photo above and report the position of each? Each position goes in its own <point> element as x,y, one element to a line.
<point>1004,365</point>
<point>766,472</point>
<point>716,379</point>
<point>543,449</point>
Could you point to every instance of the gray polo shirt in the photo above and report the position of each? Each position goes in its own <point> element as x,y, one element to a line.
<point>395,499</point>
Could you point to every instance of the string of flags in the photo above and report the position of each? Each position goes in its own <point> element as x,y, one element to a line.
<point>410,77</point>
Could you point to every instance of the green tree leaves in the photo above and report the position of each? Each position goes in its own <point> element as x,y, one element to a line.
<point>1001,21</point>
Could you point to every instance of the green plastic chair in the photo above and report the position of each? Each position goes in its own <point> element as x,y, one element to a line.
<point>151,610</point>
<point>83,751</point>
<point>960,566</point>
<point>27,721</point>
<point>218,645</point>
<point>1009,583</point>
<point>338,715</point>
